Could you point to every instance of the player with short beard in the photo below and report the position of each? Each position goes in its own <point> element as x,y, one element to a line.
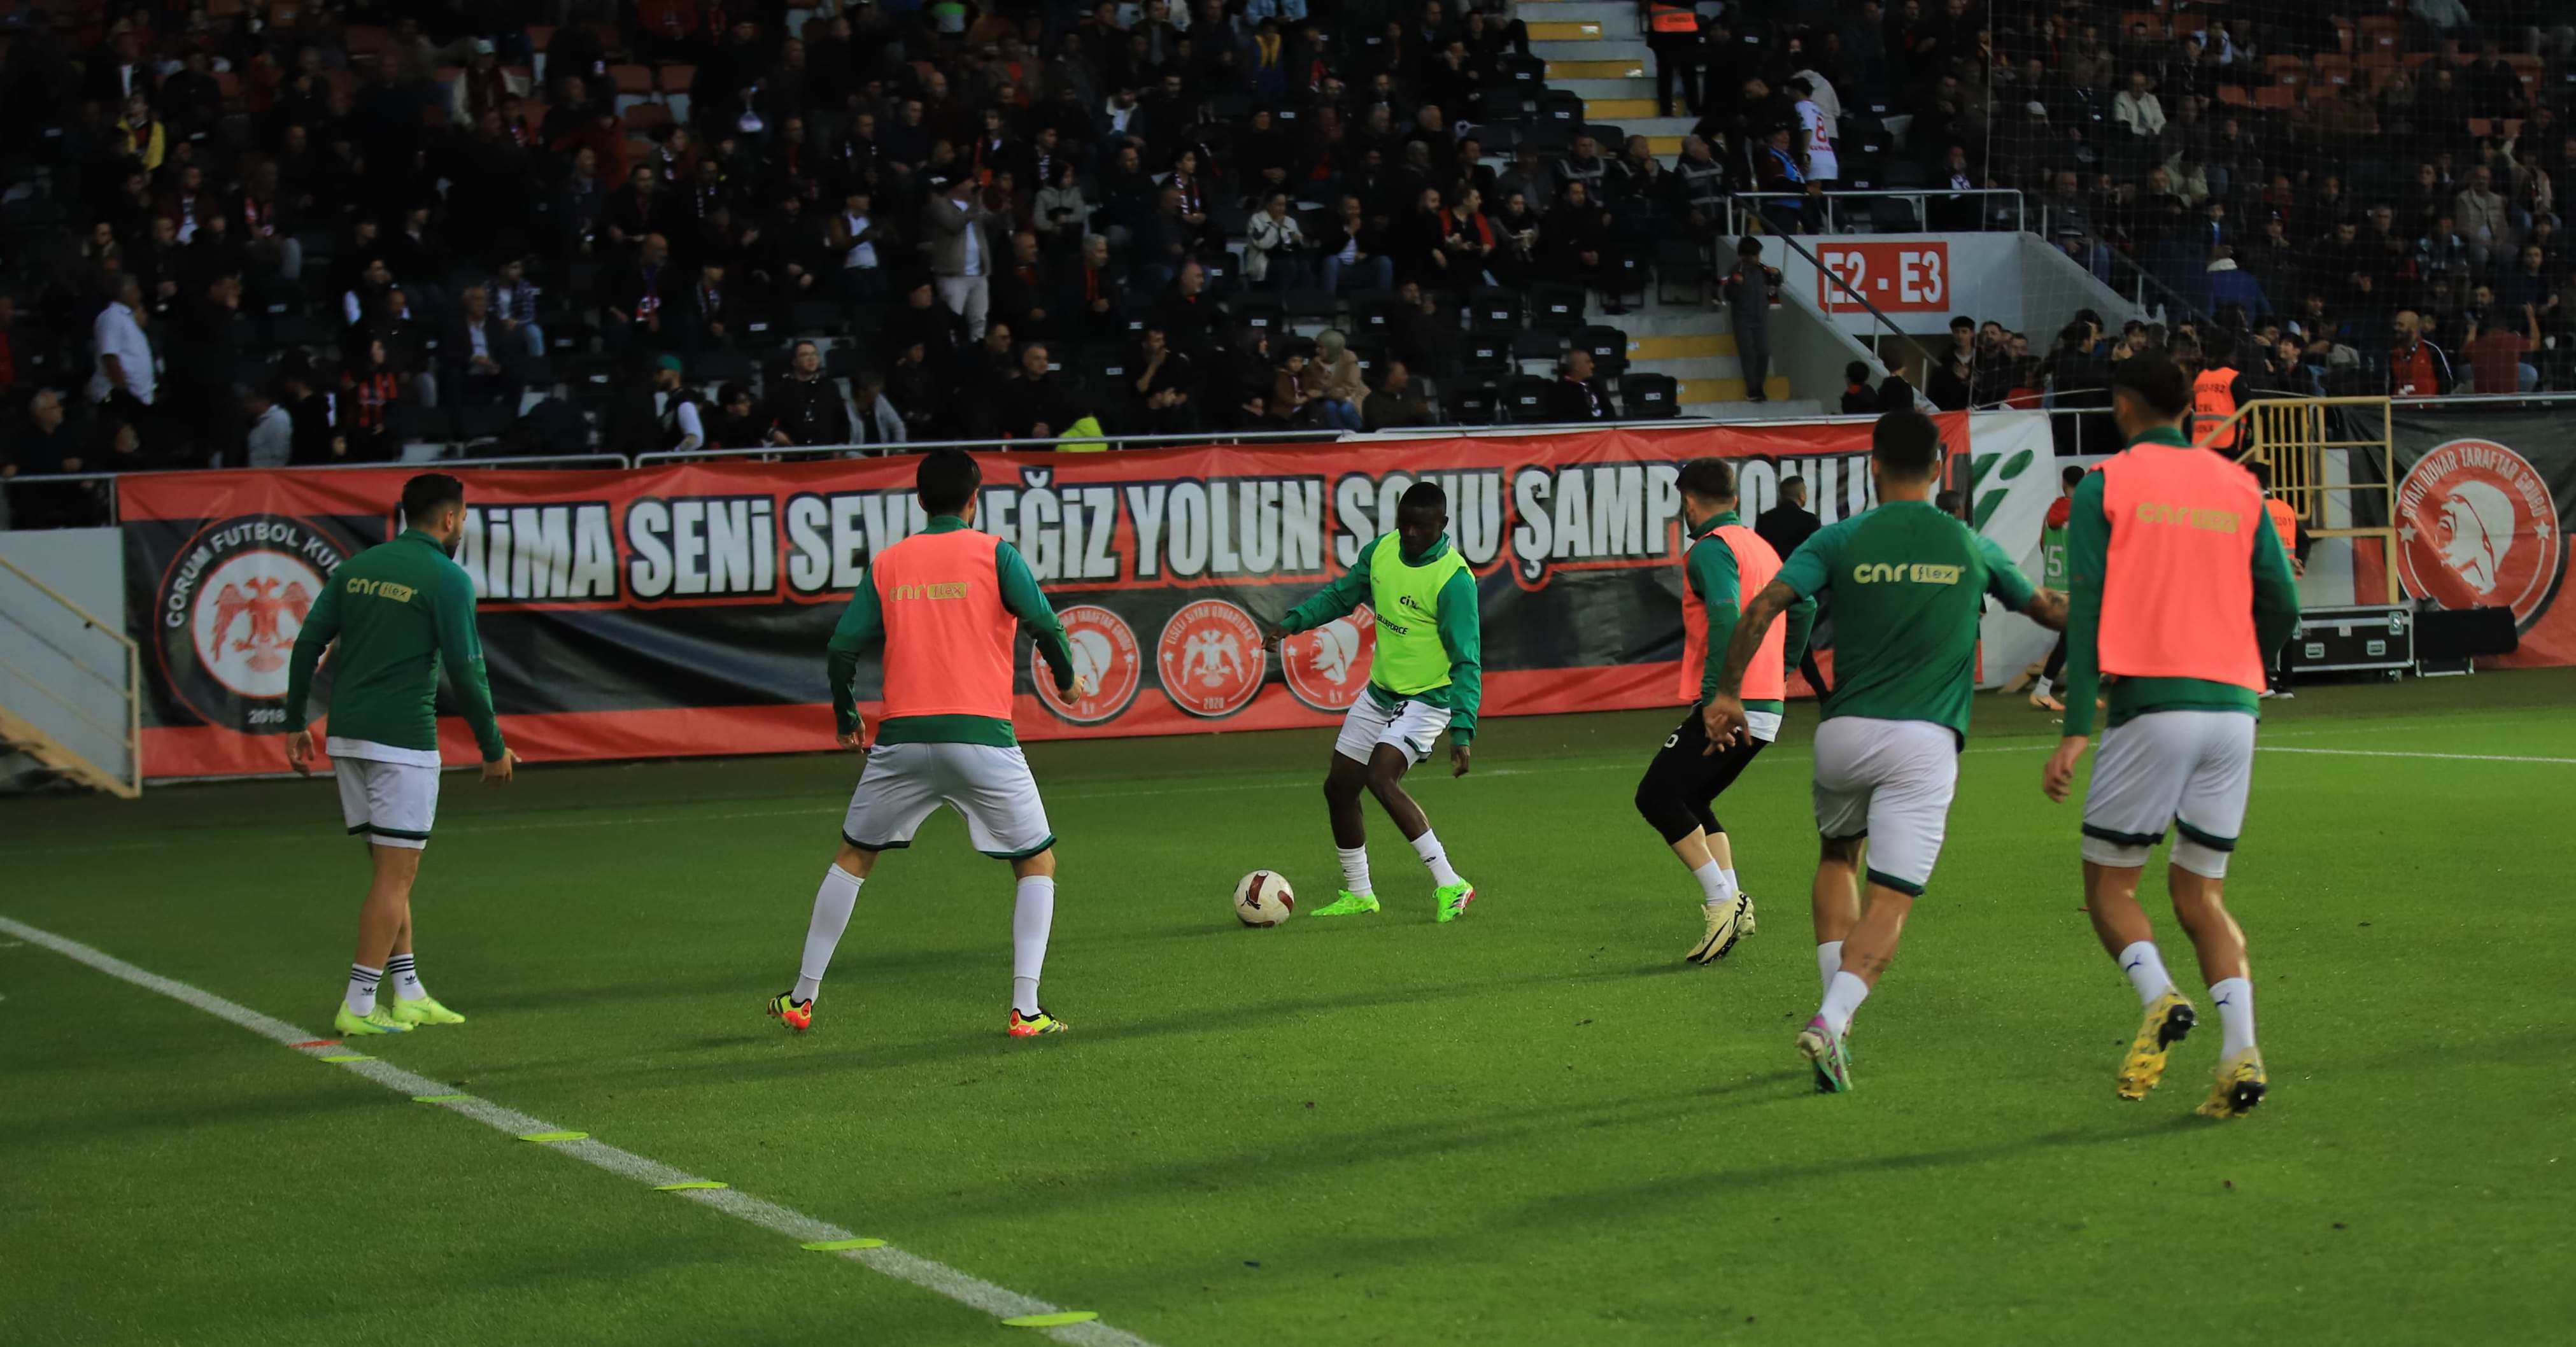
<point>393,615</point>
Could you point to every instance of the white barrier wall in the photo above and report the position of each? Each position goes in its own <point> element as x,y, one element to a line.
<point>55,672</point>
<point>1922,281</point>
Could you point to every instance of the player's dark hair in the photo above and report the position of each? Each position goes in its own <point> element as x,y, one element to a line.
<point>1425,495</point>
<point>948,479</point>
<point>2153,378</point>
<point>1952,504</point>
<point>1906,443</point>
<point>2070,475</point>
<point>428,494</point>
<point>1708,479</point>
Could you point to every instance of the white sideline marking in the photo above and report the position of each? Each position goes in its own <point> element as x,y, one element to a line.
<point>939,1278</point>
<point>2398,753</point>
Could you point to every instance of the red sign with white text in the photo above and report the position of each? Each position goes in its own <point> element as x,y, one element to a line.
<point>1896,277</point>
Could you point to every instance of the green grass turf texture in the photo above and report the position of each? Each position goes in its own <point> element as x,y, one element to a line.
<point>1532,1126</point>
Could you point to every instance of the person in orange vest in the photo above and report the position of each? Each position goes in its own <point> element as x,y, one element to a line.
<point>2285,522</point>
<point>2180,588</point>
<point>2218,388</point>
<point>1672,34</point>
<point>1725,565</point>
<point>948,603</point>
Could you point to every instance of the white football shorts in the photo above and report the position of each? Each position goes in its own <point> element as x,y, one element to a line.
<point>2189,770</point>
<point>392,804</point>
<point>1891,782</point>
<point>987,783</point>
<point>1412,726</point>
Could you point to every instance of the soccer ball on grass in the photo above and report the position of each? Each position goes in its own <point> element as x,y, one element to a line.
<point>1264,899</point>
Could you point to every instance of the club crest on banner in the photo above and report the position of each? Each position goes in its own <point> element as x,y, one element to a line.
<point>1326,668</point>
<point>228,612</point>
<point>1104,651</point>
<point>1210,658</point>
<point>2478,528</point>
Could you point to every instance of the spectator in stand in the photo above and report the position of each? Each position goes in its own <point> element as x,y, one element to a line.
<point>2416,367</point>
<point>1034,404</point>
<point>1275,252</point>
<point>1859,397</point>
<point>1747,288</point>
<point>1336,374</point>
<point>805,405</point>
<point>1574,239</point>
<point>1577,394</point>
<point>957,229</point>
<point>1355,250</point>
<point>1397,404</point>
<point>1951,381</point>
<point>477,356</point>
<point>1164,388</point>
<point>124,381</point>
<point>737,422</point>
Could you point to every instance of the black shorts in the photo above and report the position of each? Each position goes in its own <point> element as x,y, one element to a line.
<point>1684,778</point>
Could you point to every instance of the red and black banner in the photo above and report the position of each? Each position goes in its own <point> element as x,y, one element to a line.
<point>2484,500</point>
<point>683,609</point>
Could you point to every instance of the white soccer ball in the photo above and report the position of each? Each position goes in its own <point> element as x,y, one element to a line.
<point>1264,899</point>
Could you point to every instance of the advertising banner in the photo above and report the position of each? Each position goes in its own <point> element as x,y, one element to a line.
<point>683,609</point>
<point>2483,503</point>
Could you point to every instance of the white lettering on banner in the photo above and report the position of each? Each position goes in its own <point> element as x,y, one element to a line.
<point>1592,513</point>
<point>1365,505</point>
<point>540,553</point>
<point>1220,528</point>
<point>702,547</point>
<point>1894,277</point>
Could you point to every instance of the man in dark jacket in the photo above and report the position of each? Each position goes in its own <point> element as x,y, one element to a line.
<point>807,403</point>
<point>1785,526</point>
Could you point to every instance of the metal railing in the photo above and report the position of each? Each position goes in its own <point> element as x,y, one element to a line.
<point>1104,441</point>
<point>1744,205</point>
<point>1886,325</point>
<point>23,734</point>
<point>2290,438</point>
<point>108,480</point>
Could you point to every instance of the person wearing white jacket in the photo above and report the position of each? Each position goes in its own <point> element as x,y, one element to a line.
<point>1275,252</point>
<point>2137,109</point>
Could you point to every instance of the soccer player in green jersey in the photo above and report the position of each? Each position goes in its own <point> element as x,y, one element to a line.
<point>1427,675</point>
<point>395,613</point>
<point>1908,585</point>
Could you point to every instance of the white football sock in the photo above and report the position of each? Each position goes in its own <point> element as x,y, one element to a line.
<point>404,972</point>
<point>1714,886</point>
<point>1030,921</point>
<point>1355,875</point>
<point>1829,961</point>
<point>1843,997</point>
<point>362,989</point>
<point>1427,846</point>
<point>2235,998</point>
<point>2146,970</point>
<point>2043,687</point>
<point>1732,885</point>
<point>838,894</point>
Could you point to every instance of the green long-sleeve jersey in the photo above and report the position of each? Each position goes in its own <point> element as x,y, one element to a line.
<point>1718,584</point>
<point>2088,549</point>
<point>1459,622</point>
<point>397,612</point>
<point>863,624</point>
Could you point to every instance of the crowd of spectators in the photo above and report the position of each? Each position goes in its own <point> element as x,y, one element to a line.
<point>309,233</point>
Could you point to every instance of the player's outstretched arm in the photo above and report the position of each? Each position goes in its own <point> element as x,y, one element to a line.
<point>321,627</point>
<point>1334,600</point>
<point>1724,715</point>
<point>1462,634</point>
<point>1025,601</point>
<point>862,624</point>
<point>460,648</point>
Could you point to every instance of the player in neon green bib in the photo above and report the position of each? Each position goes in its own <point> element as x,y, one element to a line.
<point>1426,676</point>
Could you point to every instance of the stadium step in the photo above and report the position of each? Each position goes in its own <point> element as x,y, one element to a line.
<point>1604,50</point>
<point>1731,390</point>
<point>1622,110</point>
<point>1559,73</point>
<point>1567,30</point>
<point>1616,19</point>
<point>20,736</point>
<point>1774,410</point>
<point>1624,88</point>
<point>1694,346</point>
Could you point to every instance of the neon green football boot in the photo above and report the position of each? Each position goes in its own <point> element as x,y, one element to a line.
<point>424,1011</point>
<point>377,1021</point>
<point>1454,898</point>
<point>1348,904</point>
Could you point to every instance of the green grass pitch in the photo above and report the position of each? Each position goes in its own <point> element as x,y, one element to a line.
<point>1531,1126</point>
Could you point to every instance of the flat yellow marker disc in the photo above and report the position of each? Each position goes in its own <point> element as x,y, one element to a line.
<point>837,1245</point>
<point>686,1187</point>
<point>439,1098</point>
<point>1056,1320</point>
<point>348,1057</point>
<point>552,1136</point>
